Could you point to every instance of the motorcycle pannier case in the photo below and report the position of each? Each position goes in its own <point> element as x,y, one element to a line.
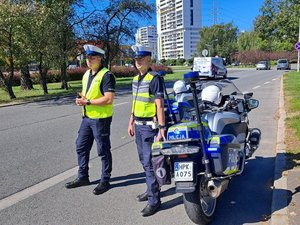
<point>224,154</point>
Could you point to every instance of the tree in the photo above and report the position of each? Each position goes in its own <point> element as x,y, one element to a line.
<point>114,23</point>
<point>277,25</point>
<point>248,41</point>
<point>287,25</point>
<point>8,45</point>
<point>265,24</point>
<point>219,40</point>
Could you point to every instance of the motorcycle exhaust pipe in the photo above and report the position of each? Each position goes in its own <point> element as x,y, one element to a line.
<point>216,187</point>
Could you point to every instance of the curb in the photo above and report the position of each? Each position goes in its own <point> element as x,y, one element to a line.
<point>279,207</point>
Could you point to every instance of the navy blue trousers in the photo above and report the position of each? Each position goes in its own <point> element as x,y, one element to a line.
<point>90,130</point>
<point>144,135</point>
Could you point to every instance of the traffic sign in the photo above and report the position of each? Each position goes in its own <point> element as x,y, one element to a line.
<point>297,46</point>
<point>205,52</point>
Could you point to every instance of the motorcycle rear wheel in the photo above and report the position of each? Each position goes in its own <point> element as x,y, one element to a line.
<point>199,206</point>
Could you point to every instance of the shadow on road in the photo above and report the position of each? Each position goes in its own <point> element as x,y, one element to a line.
<point>249,195</point>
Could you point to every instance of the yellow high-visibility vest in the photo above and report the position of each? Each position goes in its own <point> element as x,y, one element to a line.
<point>143,103</point>
<point>95,111</point>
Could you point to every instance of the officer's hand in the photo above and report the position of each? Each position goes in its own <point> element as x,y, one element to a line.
<point>161,135</point>
<point>80,99</point>
<point>130,130</point>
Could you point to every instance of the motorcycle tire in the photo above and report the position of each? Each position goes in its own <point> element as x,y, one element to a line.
<point>199,206</point>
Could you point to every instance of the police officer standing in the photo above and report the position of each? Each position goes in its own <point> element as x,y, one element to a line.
<point>147,111</point>
<point>96,100</point>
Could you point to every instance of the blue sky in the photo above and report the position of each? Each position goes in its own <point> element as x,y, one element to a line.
<point>241,12</point>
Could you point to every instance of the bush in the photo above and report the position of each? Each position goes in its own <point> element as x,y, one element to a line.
<point>180,62</point>
<point>156,67</point>
<point>76,74</point>
<point>124,71</point>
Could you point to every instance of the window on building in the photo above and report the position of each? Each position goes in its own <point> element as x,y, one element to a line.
<point>191,3</point>
<point>192,18</point>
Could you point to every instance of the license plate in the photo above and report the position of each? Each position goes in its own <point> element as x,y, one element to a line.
<point>183,171</point>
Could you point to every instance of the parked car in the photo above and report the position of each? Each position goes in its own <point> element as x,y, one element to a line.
<point>263,65</point>
<point>283,64</point>
<point>211,67</point>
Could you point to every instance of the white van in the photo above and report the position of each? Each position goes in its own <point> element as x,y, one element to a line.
<point>211,67</point>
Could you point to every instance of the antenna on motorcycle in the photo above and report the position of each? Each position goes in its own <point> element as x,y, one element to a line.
<point>162,73</point>
<point>192,78</point>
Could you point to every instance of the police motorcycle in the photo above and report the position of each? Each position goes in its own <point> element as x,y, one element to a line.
<point>205,153</point>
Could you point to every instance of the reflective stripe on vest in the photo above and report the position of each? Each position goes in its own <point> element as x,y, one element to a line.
<point>143,103</point>
<point>95,111</point>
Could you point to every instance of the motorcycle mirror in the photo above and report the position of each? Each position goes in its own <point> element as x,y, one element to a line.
<point>252,103</point>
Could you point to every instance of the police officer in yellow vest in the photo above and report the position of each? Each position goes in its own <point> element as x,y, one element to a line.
<point>147,112</point>
<point>96,100</point>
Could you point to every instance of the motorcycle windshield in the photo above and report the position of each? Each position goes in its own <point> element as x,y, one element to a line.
<point>227,87</point>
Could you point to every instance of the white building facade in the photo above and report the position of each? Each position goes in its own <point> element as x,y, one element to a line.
<point>147,36</point>
<point>178,28</point>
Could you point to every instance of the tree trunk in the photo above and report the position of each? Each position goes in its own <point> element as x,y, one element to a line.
<point>26,82</point>
<point>44,82</point>
<point>63,71</point>
<point>43,74</point>
<point>6,86</point>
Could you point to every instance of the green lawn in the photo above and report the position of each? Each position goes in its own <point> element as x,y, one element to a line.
<point>292,105</point>
<point>74,87</point>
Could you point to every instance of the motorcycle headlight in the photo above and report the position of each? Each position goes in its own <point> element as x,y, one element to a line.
<point>180,149</point>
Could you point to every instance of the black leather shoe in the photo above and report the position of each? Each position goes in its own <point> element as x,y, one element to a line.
<point>77,183</point>
<point>150,209</point>
<point>101,188</point>
<point>142,197</point>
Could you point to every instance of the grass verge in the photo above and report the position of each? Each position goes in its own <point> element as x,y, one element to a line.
<point>54,89</point>
<point>291,84</point>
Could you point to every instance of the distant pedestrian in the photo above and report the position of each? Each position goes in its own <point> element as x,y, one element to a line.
<point>147,112</point>
<point>96,100</point>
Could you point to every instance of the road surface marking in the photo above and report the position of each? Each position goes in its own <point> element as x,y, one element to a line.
<point>256,87</point>
<point>122,103</point>
<point>274,79</point>
<point>30,191</point>
<point>267,82</point>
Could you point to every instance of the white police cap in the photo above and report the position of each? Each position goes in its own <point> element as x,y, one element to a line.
<point>93,50</point>
<point>141,51</point>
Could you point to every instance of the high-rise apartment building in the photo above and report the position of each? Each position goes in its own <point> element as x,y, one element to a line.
<point>178,28</point>
<point>147,36</point>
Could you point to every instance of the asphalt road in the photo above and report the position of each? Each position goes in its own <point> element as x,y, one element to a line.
<point>37,147</point>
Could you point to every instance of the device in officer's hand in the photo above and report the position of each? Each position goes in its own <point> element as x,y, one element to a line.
<point>79,95</point>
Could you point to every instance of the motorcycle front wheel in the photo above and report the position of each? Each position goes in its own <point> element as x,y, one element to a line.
<point>199,206</point>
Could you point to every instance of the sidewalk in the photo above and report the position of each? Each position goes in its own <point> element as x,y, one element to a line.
<point>286,189</point>
<point>293,185</point>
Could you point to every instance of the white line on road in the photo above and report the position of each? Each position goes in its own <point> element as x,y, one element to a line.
<point>123,103</point>
<point>256,87</point>
<point>274,79</point>
<point>26,193</point>
<point>30,191</point>
<point>267,82</point>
